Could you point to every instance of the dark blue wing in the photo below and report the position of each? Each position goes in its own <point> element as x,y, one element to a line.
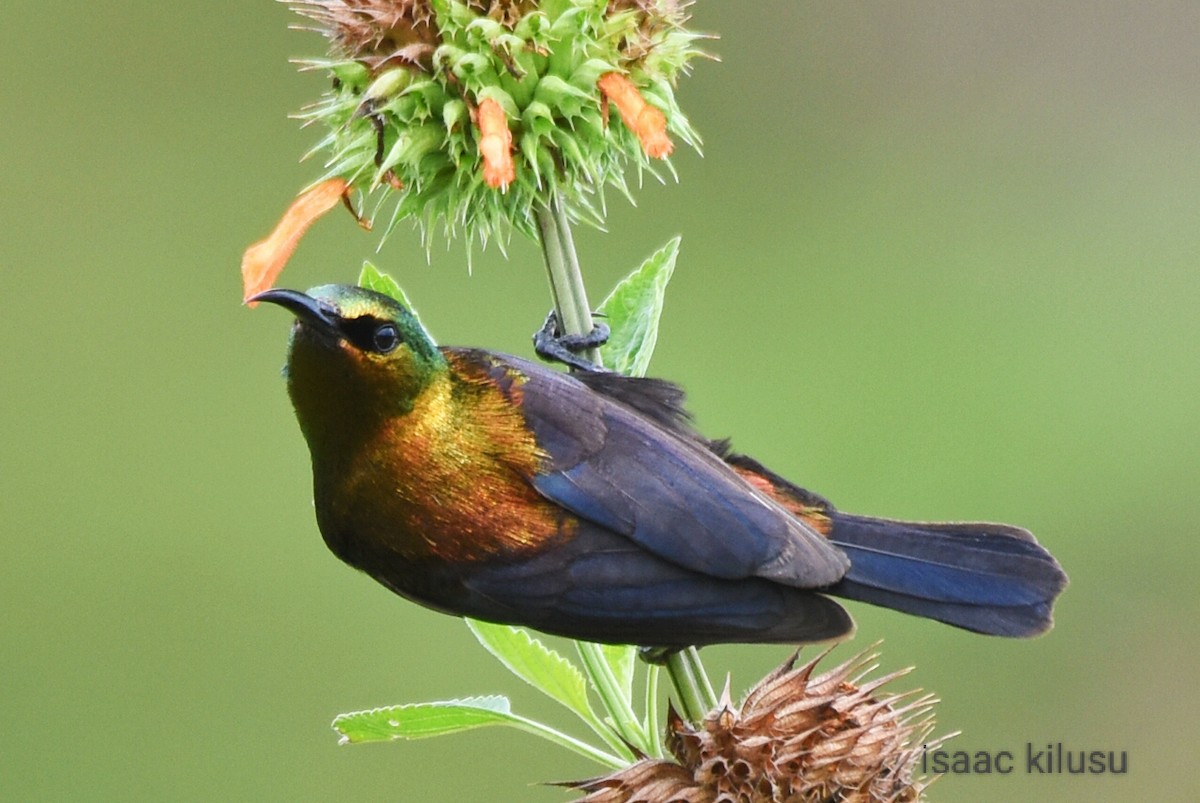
<point>601,586</point>
<point>619,468</point>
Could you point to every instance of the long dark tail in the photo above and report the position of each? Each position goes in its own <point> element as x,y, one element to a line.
<point>990,578</point>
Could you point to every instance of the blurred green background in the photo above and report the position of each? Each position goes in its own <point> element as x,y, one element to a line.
<point>939,261</point>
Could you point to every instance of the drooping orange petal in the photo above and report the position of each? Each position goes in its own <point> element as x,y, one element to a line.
<point>648,122</point>
<point>495,145</point>
<point>263,262</point>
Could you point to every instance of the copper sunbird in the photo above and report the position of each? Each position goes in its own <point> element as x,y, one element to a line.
<point>587,505</point>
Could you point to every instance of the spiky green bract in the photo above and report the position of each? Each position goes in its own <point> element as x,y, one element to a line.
<point>541,66</point>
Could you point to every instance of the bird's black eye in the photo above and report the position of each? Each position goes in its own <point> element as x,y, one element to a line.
<point>386,338</point>
<point>370,334</point>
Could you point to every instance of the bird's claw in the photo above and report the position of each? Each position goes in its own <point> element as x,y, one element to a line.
<point>553,346</point>
<point>656,656</point>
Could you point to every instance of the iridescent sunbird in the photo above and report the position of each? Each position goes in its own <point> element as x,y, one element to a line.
<point>587,505</point>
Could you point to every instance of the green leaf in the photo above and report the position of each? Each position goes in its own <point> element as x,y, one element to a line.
<point>372,278</point>
<point>423,720</point>
<point>632,311</point>
<point>536,664</point>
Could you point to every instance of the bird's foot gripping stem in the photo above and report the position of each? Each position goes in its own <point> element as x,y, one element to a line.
<point>553,346</point>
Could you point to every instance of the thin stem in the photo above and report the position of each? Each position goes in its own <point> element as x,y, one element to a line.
<point>652,731</point>
<point>611,738</point>
<point>696,696</point>
<point>566,279</point>
<point>610,734</point>
<point>692,656</point>
<point>620,708</point>
<point>570,742</point>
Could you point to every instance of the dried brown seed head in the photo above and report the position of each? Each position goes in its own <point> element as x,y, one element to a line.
<point>796,737</point>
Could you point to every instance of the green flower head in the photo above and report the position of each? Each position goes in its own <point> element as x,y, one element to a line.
<point>470,113</point>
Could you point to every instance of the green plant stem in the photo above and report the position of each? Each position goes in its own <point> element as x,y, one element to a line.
<point>566,279</point>
<point>570,742</point>
<point>620,709</point>
<point>653,734</point>
<point>696,695</point>
<point>616,742</point>
<point>692,686</point>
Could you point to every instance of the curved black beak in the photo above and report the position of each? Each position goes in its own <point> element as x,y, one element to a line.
<point>304,307</point>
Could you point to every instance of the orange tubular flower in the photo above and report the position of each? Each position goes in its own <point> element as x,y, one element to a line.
<point>495,145</point>
<point>648,122</point>
<point>263,262</point>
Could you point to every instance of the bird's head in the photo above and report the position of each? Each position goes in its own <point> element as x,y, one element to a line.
<point>356,358</point>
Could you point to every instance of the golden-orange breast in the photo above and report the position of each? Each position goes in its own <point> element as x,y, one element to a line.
<point>451,478</point>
